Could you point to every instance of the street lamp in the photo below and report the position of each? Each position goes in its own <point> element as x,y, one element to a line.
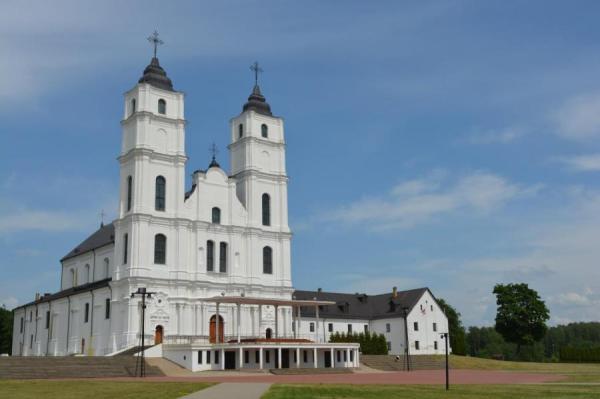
<point>445,336</point>
<point>406,352</point>
<point>141,291</point>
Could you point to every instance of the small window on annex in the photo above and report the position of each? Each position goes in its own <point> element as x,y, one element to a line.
<point>216,215</point>
<point>264,131</point>
<point>162,106</point>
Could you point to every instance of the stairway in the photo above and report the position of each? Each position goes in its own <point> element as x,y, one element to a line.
<point>71,367</point>
<point>417,362</point>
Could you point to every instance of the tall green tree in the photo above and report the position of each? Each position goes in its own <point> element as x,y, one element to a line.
<point>6,324</point>
<point>455,327</point>
<point>521,315</point>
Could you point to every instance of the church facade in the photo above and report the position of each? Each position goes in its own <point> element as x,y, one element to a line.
<point>214,259</point>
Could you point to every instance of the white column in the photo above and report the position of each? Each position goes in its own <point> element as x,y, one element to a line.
<point>217,338</point>
<point>332,358</point>
<point>317,326</point>
<point>347,357</point>
<point>241,359</point>
<point>276,321</point>
<point>260,357</point>
<point>222,359</point>
<point>294,323</point>
<point>238,323</point>
<point>315,357</point>
<point>297,358</point>
<point>259,319</point>
<point>279,357</point>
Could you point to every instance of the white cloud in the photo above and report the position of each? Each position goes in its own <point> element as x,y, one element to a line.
<point>46,221</point>
<point>579,118</point>
<point>571,298</point>
<point>503,136</point>
<point>9,302</point>
<point>418,201</point>
<point>582,163</point>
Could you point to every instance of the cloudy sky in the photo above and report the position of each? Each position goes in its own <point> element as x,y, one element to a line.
<point>453,145</point>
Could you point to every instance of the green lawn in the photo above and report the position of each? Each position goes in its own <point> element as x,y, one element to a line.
<point>432,392</point>
<point>53,389</point>
<point>576,372</point>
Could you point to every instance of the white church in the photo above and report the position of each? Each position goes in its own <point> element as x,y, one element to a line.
<point>214,259</point>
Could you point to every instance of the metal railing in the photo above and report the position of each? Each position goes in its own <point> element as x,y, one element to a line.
<point>233,339</point>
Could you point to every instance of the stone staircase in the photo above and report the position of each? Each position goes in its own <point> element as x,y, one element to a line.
<point>390,363</point>
<point>71,367</point>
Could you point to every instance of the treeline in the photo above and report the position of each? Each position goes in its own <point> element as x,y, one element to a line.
<point>370,344</point>
<point>6,325</point>
<point>570,343</point>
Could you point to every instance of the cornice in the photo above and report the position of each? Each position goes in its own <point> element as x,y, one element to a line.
<point>152,116</point>
<point>150,153</point>
<point>257,140</point>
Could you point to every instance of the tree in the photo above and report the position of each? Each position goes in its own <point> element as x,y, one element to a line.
<point>521,316</point>
<point>455,328</point>
<point>6,325</point>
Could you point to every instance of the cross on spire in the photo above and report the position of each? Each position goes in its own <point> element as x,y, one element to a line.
<point>257,69</point>
<point>214,151</point>
<point>102,214</point>
<point>153,38</point>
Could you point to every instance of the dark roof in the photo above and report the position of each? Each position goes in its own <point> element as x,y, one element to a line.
<point>361,306</point>
<point>103,236</point>
<point>156,76</point>
<point>258,103</point>
<point>69,291</point>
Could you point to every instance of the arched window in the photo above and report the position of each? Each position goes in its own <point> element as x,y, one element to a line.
<point>267,260</point>
<point>264,130</point>
<point>159,195</point>
<point>266,210</point>
<point>129,191</point>
<point>132,108</point>
<point>160,249</point>
<point>162,106</point>
<point>216,215</point>
<point>223,257</point>
<point>210,256</point>
<point>125,245</point>
<point>106,268</point>
<point>241,130</point>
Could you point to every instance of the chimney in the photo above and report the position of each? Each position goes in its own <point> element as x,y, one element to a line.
<point>319,289</point>
<point>394,292</point>
<point>37,296</point>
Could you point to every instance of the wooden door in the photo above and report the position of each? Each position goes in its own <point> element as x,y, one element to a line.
<point>213,329</point>
<point>158,335</point>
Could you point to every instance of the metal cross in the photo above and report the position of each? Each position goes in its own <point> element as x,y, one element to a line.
<point>102,214</point>
<point>213,150</point>
<point>254,67</point>
<point>153,38</point>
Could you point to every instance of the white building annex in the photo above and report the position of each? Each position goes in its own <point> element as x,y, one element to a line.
<point>216,257</point>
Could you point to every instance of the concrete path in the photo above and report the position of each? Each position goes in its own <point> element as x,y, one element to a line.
<point>237,390</point>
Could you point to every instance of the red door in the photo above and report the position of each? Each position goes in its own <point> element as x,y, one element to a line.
<point>158,335</point>
<point>213,329</point>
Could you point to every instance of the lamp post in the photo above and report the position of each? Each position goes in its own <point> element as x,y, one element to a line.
<point>406,351</point>
<point>141,291</point>
<point>445,336</point>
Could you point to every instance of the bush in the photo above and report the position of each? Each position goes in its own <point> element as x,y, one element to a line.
<point>580,355</point>
<point>370,344</point>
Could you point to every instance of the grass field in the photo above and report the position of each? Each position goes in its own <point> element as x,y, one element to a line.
<point>432,392</point>
<point>53,389</point>
<point>576,372</point>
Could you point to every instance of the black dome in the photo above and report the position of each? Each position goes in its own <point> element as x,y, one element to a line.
<point>258,103</point>
<point>156,76</point>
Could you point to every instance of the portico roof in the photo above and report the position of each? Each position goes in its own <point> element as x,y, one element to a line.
<point>244,300</point>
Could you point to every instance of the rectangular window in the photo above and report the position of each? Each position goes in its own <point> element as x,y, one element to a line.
<point>345,356</point>
<point>389,346</point>
<point>434,327</point>
<point>417,345</point>
<point>210,256</point>
<point>338,356</point>
<point>129,192</point>
<point>257,356</point>
<point>267,356</point>
<point>330,327</point>
<point>295,357</point>
<point>199,357</point>
<point>223,257</point>
<point>431,306</point>
<point>416,325</point>
<point>207,357</point>
<point>47,319</point>
<point>349,328</point>
<point>435,345</point>
<point>216,357</point>
<point>31,342</point>
<point>125,245</point>
<point>351,356</point>
<point>305,356</point>
<point>388,327</point>
<point>21,328</point>
<point>86,315</point>
<point>107,309</point>
<point>312,327</point>
<point>30,316</point>
<point>246,357</point>
<point>366,328</point>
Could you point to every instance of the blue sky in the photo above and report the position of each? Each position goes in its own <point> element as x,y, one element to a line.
<point>452,145</point>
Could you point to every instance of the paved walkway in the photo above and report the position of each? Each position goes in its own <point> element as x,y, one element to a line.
<point>237,390</point>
